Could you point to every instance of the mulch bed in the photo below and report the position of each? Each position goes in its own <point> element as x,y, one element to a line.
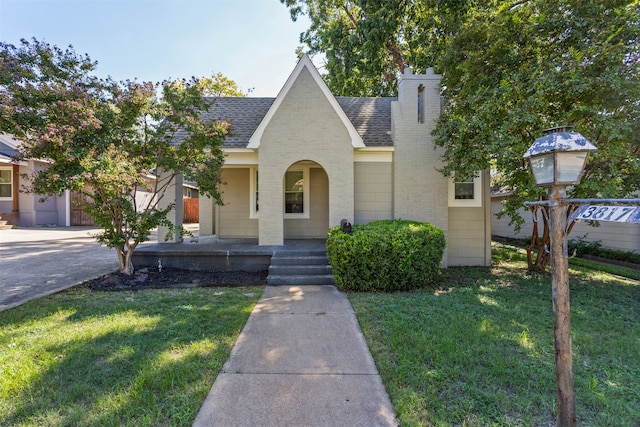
<point>151,278</point>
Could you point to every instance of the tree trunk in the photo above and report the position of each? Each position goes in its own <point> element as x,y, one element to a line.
<point>539,244</point>
<point>561,312</point>
<point>124,259</point>
<point>542,244</point>
<point>544,255</point>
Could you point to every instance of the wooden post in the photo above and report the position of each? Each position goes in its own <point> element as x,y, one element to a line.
<point>561,311</point>
<point>15,190</point>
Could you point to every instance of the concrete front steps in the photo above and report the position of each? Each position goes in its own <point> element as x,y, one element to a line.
<point>4,225</point>
<point>299,267</point>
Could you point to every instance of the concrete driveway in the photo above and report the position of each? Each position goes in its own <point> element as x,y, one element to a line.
<point>35,262</point>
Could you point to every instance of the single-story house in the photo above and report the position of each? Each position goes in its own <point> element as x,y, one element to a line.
<point>19,208</point>
<point>303,161</point>
<point>23,209</point>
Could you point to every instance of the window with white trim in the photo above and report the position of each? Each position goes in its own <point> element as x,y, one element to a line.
<point>465,192</point>
<point>296,193</point>
<point>253,188</point>
<point>6,184</point>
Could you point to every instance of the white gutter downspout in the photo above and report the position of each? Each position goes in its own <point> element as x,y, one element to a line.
<point>67,208</point>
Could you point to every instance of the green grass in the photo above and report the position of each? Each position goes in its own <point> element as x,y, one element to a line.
<point>478,351</point>
<point>605,267</point>
<point>143,358</point>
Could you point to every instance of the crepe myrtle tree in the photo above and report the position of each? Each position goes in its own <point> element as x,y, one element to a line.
<point>108,139</point>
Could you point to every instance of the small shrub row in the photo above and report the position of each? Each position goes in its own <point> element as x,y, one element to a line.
<point>389,255</point>
<point>584,247</point>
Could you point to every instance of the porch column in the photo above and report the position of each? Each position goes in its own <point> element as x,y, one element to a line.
<point>206,213</point>
<point>15,191</point>
<point>172,195</point>
<point>271,221</point>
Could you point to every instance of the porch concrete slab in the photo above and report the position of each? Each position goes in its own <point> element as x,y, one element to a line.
<point>299,400</point>
<point>222,246</point>
<point>210,253</point>
<point>301,360</point>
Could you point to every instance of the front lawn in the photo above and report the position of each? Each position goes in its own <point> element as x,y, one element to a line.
<point>144,358</point>
<point>478,350</point>
<point>475,351</point>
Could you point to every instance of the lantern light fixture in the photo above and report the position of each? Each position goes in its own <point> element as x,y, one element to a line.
<point>559,157</point>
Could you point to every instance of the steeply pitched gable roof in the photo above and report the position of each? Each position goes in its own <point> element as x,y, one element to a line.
<point>305,63</point>
<point>371,118</point>
<point>368,120</point>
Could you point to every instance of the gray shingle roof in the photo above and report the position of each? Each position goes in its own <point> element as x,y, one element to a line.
<point>8,146</point>
<point>245,115</point>
<point>370,116</point>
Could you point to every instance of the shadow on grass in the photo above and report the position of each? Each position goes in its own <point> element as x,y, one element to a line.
<point>131,358</point>
<point>479,349</point>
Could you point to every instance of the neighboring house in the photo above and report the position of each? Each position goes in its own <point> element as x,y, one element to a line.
<point>9,178</point>
<point>612,235</point>
<point>24,209</point>
<point>300,163</point>
<point>18,208</point>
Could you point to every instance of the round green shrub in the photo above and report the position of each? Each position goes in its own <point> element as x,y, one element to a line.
<point>389,255</point>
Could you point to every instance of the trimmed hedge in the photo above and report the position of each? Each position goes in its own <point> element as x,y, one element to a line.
<point>389,255</point>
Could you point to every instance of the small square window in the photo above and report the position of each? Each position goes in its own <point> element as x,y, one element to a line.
<point>466,192</point>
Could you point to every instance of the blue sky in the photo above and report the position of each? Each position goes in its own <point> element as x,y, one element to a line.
<point>250,41</point>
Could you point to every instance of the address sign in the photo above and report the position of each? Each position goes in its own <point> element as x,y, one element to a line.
<point>608,213</point>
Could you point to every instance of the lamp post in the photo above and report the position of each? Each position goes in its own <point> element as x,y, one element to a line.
<point>557,160</point>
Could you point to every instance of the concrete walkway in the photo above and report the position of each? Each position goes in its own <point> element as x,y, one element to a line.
<point>301,360</point>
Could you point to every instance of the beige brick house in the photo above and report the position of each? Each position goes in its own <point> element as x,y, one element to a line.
<point>299,163</point>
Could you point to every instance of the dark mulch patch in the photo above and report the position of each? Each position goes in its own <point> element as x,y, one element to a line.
<point>151,278</point>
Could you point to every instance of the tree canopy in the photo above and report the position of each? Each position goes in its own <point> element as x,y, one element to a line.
<point>366,43</point>
<point>510,70</point>
<point>219,85</point>
<point>107,139</point>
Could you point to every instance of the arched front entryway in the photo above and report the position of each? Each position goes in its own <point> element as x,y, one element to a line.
<point>306,201</point>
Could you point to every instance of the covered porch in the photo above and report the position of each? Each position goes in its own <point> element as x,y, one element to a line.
<point>298,261</point>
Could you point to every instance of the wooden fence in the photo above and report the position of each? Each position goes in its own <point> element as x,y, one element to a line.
<point>191,209</point>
